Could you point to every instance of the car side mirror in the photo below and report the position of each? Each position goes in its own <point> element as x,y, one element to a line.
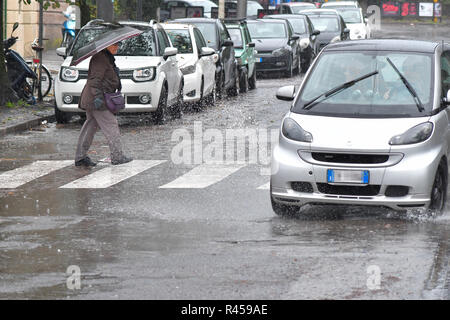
<point>346,30</point>
<point>286,93</point>
<point>315,32</point>
<point>295,37</point>
<point>206,51</point>
<point>170,52</point>
<point>62,52</point>
<point>251,45</point>
<point>228,43</point>
<point>447,99</point>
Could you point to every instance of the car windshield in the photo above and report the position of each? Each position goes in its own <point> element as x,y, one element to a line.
<point>297,9</point>
<point>181,40</point>
<point>236,36</point>
<point>325,24</point>
<point>208,31</point>
<point>142,45</point>
<point>265,30</point>
<point>298,25</point>
<point>380,95</point>
<point>253,7</point>
<point>350,15</point>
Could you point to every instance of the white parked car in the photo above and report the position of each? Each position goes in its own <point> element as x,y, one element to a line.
<point>356,22</point>
<point>197,62</point>
<point>149,72</point>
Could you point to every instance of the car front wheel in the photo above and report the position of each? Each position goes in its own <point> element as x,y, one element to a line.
<point>439,190</point>
<point>62,117</point>
<point>159,116</point>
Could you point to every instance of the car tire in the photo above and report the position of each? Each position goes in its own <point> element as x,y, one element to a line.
<point>290,71</point>
<point>438,194</point>
<point>243,82</point>
<point>252,80</point>
<point>211,99</point>
<point>234,90</point>
<point>159,116</point>
<point>306,65</point>
<point>282,209</point>
<point>176,109</point>
<point>220,85</point>
<point>201,103</point>
<point>61,116</point>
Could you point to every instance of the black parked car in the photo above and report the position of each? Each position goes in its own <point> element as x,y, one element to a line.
<point>304,28</point>
<point>277,45</point>
<point>332,28</point>
<point>218,38</point>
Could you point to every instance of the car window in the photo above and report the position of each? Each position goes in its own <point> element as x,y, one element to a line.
<point>86,36</point>
<point>298,25</point>
<point>351,16</point>
<point>289,28</point>
<point>236,36</point>
<point>266,30</point>
<point>208,31</point>
<point>445,72</point>
<point>383,94</point>
<point>325,24</point>
<point>249,38</point>
<point>181,40</point>
<point>141,45</point>
<point>200,41</point>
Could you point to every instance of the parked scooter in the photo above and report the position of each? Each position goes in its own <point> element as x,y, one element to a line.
<point>68,30</point>
<point>18,70</point>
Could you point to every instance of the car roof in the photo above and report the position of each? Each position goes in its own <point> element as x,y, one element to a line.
<point>400,45</point>
<point>179,26</point>
<point>340,3</point>
<point>193,20</point>
<point>299,4</point>
<point>283,16</point>
<point>273,20</point>
<point>325,11</point>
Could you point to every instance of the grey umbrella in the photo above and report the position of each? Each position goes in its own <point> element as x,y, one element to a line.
<point>104,40</point>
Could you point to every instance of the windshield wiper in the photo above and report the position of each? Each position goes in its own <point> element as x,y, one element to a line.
<point>336,90</point>
<point>408,86</point>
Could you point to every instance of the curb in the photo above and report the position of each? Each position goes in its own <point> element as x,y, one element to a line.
<point>26,125</point>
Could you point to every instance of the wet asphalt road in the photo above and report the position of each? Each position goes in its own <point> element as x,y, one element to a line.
<point>136,240</point>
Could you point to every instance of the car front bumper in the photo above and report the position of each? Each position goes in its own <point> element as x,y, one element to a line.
<point>266,63</point>
<point>413,171</point>
<point>130,89</point>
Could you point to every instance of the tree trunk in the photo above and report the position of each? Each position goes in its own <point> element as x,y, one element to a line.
<point>85,11</point>
<point>6,92</point>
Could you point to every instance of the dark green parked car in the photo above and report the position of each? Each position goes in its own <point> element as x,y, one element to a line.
<point>244,51</point>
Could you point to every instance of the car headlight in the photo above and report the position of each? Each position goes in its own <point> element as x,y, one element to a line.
<point>293,131</point>
<point>304,43</point>
<point>215,57</point>
<point>416,134</point>
<point>188,69</point>
<point>69,74</point>
<point>280,52</point>
<point>144,74</point>
<point>335,39</point>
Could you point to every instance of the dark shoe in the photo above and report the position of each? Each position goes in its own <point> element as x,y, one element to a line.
<point>85,162</point>
<point>121,160</point>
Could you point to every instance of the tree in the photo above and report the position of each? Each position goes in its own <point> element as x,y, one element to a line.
<point>6,92</point>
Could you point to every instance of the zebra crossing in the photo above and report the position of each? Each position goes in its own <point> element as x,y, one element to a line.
<point>200,177</point>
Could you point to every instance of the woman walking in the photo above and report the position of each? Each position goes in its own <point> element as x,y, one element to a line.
<point>103,77</point>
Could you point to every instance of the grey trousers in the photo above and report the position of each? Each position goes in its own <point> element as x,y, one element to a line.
<point>108,124</point>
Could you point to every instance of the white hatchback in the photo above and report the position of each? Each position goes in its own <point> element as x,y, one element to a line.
<point>197,62</point>
<point>357,23</point>
<point>149,72</point>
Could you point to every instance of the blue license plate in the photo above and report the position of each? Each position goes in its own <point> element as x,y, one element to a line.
<point>258,59</point>
<point>348,176</point>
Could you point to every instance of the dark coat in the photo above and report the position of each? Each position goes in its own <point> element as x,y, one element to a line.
<point>102,77</point>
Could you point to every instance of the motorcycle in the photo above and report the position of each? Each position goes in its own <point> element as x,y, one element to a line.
<point>68,30</point>
<point>18,70</point>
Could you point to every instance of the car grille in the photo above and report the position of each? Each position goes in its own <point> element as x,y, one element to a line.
<point>369,190</point>
<point>350,157</point>
<point>126,74</point>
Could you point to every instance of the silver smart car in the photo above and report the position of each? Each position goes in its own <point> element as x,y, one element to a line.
<point>369,125</point>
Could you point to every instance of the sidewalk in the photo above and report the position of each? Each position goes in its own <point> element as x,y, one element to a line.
<point>16,119</point>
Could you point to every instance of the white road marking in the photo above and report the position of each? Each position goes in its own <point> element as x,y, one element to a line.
<point>265,186</point>
<point>20,176</point>
<point>203,176</point>
<point>112,175</point>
